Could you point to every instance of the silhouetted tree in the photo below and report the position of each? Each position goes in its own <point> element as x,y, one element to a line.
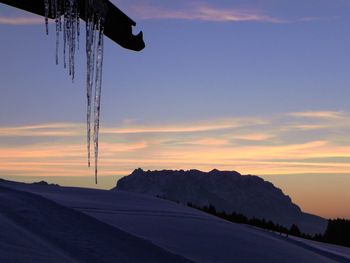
<point>338,232</point>
<point>294,230</point>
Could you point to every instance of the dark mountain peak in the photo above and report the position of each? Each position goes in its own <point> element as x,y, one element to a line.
<point>41,183</point>
<point>224,173</point>
<point>137,171</point>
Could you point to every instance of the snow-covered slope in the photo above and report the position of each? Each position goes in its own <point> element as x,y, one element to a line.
<point>181,230</point>
<point>35,229</point>
<point>226,191</point>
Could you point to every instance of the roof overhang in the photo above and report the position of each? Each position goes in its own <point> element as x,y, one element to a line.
<point>117,25</point>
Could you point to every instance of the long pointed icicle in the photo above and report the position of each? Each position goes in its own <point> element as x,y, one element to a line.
<point>47,10</point>
<point>90,54</point>
<point>58,30</point>
<point>98,86</point>
<point>70,26</point>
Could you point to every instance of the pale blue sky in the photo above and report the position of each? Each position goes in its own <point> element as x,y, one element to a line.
<point>191,69</point>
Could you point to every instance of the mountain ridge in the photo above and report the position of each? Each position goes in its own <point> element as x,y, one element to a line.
<point>227,191</point>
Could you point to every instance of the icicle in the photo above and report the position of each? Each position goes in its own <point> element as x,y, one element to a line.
<point>58,27</point>
<point>98,86</point>
<point>47,8</point>
<point>90,55</point>
<point>52,7</point>
<point>64,40</point>
<point>77,15</point>
<point>58,22</point>
<point>70,26</point>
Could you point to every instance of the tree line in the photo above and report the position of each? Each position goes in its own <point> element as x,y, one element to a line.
<point>337,232</point>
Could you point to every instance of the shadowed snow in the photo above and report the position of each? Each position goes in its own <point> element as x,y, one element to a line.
<point>179,229</point>
<point>35,229</point>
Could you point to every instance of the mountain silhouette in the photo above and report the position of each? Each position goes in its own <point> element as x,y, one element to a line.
<point>227,191</point>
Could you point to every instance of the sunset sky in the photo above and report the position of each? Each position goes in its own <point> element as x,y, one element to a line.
<point>260,87</point>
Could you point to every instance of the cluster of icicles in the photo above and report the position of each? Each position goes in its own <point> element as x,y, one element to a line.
<point>67,15</point>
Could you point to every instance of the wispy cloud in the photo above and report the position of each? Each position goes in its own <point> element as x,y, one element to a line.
<point>253,136</point>
<point>76,129</point>
<point>264,145</point>
<point>21,20</point>
<point>178,128</point>
<point>43,130</point>
<point>315,19</point>
<point>308,127</point>
<point>203,12</point>
<point>319,114</point>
